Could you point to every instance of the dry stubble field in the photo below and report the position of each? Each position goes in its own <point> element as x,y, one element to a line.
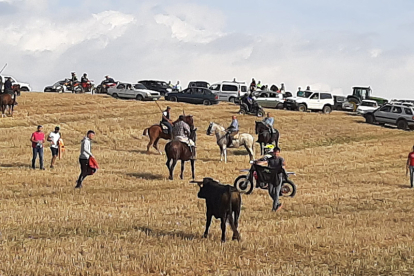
<point>352,215</point>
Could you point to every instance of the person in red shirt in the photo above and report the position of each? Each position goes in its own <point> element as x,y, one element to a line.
<point>38,139</point>
<point>410,167</point>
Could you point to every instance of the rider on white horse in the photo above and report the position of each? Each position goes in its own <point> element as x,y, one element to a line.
<point>181,132</point>
<point>232,130</point>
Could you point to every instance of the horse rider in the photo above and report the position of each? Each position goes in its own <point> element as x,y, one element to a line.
<point>181,132</point>
<point>274,161</point>
<point>232,130</point>
<point>166,119</point>
<point>269,121</point>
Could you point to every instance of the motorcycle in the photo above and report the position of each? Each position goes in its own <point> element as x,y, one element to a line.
<point>88,86</point>
<point>75,87</point>
<point>103,87</point>
<point>256,109</point>
<point>246,183</point>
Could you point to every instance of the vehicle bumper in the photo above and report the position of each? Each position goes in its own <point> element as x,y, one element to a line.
<point>152,97</point>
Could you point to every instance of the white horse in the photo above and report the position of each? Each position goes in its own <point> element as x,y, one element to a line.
<point>244,139</point>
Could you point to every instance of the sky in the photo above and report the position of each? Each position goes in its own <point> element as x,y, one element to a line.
<point>329,45</point>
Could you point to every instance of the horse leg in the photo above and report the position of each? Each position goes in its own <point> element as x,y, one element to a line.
<point>261,148</point>
<point>192,161</point>
<point>168,163</point>
<point>225,154</point>
<point>151,141</point>
<point>182,169</point>
<point>174,162</point>
<point>156,145</point>
<point>221,154</point>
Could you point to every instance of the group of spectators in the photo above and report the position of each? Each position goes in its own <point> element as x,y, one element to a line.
<point>55,139</point>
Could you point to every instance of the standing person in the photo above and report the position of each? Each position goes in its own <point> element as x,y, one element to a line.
<point>410,167</point>
<point>177,86</point>
<point>38,139</point>
<point>53,138</point>
<point>73,80</point>
<point>282,88</point>
<point>166,120</point>
<point>232,130</point>
<point>277,163</point>
<point>308,88</point>
<point>85,154</point>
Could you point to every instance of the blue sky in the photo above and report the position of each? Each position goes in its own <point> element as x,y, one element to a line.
<point>330,45</point>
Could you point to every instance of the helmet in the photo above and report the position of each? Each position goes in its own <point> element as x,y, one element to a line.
<point>269,149</point>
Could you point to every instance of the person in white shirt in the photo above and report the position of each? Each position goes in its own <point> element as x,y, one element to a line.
<point>85,154</point>
<point>53,138</point>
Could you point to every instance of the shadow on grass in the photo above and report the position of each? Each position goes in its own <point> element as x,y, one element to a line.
<point>148,176</point>
<point>158,233</point>
<point>15,165</point>
<point>240,152</point>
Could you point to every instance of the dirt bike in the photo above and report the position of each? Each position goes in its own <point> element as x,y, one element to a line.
<point>88,86</point>
<point>75,87</point>
<point>103,87</point>
<point>260,179</point>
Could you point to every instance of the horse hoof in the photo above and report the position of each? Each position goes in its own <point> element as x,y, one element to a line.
<point>170,178</point>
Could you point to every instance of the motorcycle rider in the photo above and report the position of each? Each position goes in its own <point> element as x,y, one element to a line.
<point>105,83</point>
<point>274,161</point>
<point>72,81</point>
<point>84,81</point>
<point>181,132</point>
<point>166,120</point>
<point>269,121</point>
<point>232,130</point>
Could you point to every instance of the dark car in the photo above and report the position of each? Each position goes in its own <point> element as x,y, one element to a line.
<point>57,87</point>
<point>339,101</point>
<point>202,84</point>
<point>159,86</point>
<point>194,95</point>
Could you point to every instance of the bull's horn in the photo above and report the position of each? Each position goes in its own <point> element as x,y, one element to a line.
<point>196,182</point>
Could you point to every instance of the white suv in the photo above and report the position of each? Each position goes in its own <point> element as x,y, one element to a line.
<point>23,86</point>
<point>319,101</point>
<point>229,91</point>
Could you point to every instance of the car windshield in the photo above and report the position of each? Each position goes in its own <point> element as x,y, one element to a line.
<point>304,94</point>
<point>163,84</point>
<point>139,86</point>
<point>370,104</point>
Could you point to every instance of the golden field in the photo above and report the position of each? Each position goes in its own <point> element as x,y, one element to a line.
<point>353,213</point>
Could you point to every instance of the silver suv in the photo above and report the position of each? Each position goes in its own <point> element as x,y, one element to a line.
<point>401,116</point>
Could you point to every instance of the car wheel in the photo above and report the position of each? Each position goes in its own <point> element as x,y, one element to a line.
<point>173,99</point>
<point>206,102</point>
<point>139,98</point>
<point>115,96</point>
<point>232,99</point>
<point>24,88</point>
<point>242,111</point>
<point>260,113</point>
<point>369,119</point>
<point>47,90</point>
<point>279,106</point>
<point>302,108</point>
<point>402,124</point>
<point>327,109</point>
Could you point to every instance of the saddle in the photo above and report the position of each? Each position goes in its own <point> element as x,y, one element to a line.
<point>164,128</point>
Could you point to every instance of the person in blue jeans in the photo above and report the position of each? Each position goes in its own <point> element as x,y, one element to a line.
<point>38,139</point>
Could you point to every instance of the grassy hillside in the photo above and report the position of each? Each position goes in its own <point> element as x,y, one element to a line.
<point>352,215</point>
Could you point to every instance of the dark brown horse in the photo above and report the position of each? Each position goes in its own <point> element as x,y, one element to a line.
<point>156,133</point>
<point>176,150</point>
<point>9,101</point>
<point>265,137</point>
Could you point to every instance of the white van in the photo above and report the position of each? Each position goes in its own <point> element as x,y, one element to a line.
<point>229,91</point>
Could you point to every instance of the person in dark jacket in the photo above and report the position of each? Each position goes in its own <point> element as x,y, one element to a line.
<point>84,156</point>
<point>8,86</point>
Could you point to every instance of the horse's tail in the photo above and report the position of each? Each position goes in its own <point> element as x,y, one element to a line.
<point>145,133</point>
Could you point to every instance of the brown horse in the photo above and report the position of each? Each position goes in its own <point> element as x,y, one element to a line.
<point>155,132</point>
<point>8,101</point>
<point>176,150</point>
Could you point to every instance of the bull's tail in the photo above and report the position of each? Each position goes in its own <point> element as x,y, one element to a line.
<point>229,190</point>
<point>145,133</point>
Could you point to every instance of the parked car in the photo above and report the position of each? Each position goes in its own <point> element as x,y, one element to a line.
<point>317,101</point>
<point>229,91</point>
<point>133,91</point>
<point>159,86</point>
<point>23,86</point>
<point>366,106</point>
<point>57,87</point>
<point>202,84</point>
<point>270,99</point>
<point>392,114</point>
<point>194,95</point>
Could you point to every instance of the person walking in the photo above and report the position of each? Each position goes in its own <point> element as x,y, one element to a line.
<point>410,167</point>
<point>53,138</point>
<point>275,162</point>
<point>38,139</point>
<point>85,154</point>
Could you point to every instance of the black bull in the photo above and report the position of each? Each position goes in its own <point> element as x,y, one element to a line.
<point>222,202</point>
